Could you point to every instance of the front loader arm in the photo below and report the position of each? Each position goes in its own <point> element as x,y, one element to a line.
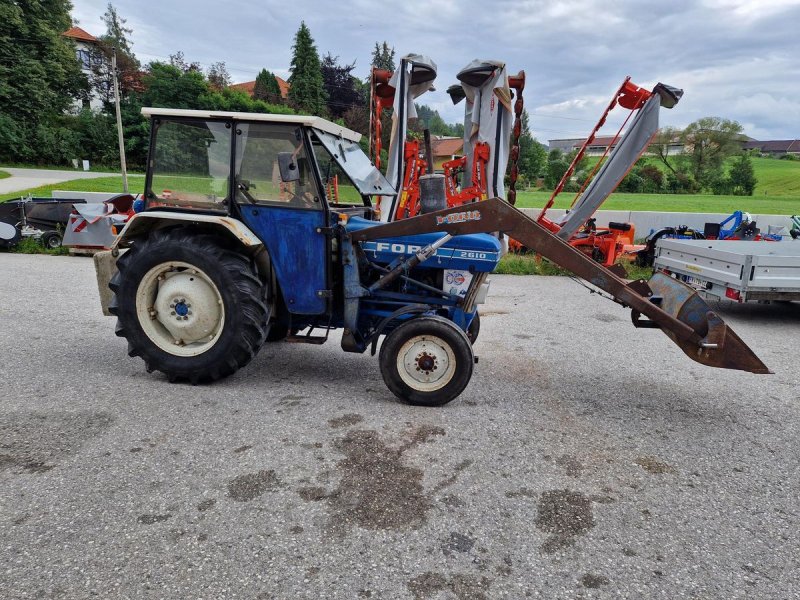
<point>669,304</point>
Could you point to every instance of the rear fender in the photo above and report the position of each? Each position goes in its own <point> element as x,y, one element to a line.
<point>146,222</point>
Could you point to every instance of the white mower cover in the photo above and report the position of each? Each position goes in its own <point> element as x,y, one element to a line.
<point>92,226</point>
<point>403,109</point>
<point>622,157</point>
<point>488,117</point>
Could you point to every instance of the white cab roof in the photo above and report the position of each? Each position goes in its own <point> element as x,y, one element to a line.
<point>316,122</point>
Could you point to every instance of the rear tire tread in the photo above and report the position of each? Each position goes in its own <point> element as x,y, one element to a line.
<point>249,311</point>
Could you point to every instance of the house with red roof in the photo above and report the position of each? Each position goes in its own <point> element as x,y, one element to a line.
<point>249,87</point>
<point>86,51</point>
<point>445,148</point>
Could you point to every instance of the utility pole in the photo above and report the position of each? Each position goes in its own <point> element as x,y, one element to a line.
<point>123,166</point>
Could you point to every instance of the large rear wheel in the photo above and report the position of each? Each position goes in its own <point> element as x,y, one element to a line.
<point>189,305</point>
<point>427,361</point>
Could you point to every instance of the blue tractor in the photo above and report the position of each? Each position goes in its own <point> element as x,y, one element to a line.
<point>244,240</point>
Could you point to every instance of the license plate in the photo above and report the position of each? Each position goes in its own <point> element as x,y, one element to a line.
<point>693,281</point>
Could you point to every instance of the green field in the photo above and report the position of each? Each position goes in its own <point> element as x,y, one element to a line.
<point>101,184</point>
<point>757,205</point>
<point>3,175</point>
<point>777,192</point>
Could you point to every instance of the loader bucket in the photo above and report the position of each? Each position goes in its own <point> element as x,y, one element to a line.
<point>668,304</point>
<point>720,346</point>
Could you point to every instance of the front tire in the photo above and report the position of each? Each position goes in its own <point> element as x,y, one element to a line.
<point>427,361</point>
<point>189,305</point>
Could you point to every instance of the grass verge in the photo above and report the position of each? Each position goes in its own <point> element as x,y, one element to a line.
<point>100,184</point>
<point>32,246</point>
<point>533,264</point>
<point>4,175</point>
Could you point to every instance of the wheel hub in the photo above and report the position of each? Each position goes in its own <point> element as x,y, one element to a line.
<point>180,309</point>
<point>426,363</point>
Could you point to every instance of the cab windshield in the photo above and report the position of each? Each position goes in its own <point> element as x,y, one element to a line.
<point>339,188</point>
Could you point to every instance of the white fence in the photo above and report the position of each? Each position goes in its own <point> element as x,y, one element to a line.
<point>644,221</point>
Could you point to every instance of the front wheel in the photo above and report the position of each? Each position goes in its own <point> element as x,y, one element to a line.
<point>427,361</point>
<point>190,306</point>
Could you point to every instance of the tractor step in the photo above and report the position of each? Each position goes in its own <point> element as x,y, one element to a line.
<point>307,339</point>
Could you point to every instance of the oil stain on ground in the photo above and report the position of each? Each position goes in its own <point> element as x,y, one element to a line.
<point>377,489</point>
<point>251,485</point>
<point>151,519</point>
<point>593,581</point>
<point>457,542</point>
<point>654,466</point>
<point>346,420</point>
<point>34,442</point>
<point>463,587</point>
<point>564,514</point>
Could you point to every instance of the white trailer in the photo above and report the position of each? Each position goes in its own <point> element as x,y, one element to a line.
<point>736,270</point>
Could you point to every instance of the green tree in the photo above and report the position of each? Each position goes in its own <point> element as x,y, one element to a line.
<point>306,92</point>
<point>383,56</point>
<point>170,86</point>
<point>128,66</point>
<point>432,120</point>
<point>39,73</point>
<point>532,155</point>
<point>178,60</point>
<point>341,88</point>
<point>663,145</point>
<point>266,87</point>
<point>707,143</point>
<point>742,176</point>
<point>116,32</point>
<point>218,76</point>
<point>557,165</point>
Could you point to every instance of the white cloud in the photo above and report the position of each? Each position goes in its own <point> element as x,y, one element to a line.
<point>734,58</point>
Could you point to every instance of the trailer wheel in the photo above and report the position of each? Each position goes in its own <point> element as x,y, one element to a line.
<point>427,361</point>
<point>51,240</point>
<point>190,306</point>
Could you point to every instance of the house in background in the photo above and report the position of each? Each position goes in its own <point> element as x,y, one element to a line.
<point>87,49</point>
<point>248,87</point>
<point>774,147</point>
<point>600,144</point>
<point>444,149</point>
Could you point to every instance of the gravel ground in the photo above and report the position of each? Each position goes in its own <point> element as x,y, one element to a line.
<point>585,460</point>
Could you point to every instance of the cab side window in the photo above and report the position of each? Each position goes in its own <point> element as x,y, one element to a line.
<point>272,167</point>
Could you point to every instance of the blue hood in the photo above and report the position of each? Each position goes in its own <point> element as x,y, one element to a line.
<point>478,252</point>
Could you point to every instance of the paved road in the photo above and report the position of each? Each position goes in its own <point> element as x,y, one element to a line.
<point>585,460</point>
<point>24,179</point>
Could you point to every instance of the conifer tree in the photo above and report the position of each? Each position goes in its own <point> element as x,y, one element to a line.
<point>383,56</point>
<point>267,88</point>
<point>306,91</point>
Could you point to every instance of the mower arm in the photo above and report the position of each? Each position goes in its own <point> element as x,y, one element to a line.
<point>669,304</point>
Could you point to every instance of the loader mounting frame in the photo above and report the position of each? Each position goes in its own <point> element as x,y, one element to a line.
<point>697,330</point>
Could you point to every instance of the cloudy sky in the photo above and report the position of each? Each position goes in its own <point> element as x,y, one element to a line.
<point>738,59</point>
